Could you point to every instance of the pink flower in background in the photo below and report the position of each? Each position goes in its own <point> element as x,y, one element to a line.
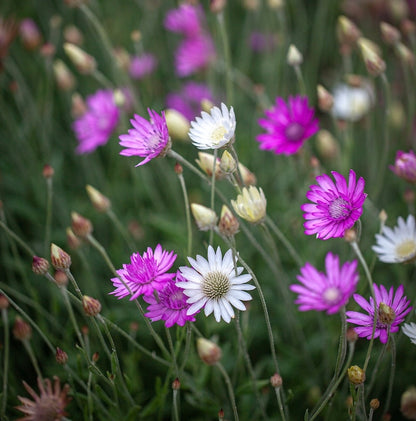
<point>144,274</point>
<point>143,65</point>
<point>261,42</point>
<point>96,125</point>
<point>326,292</point>
<point>287,125</point>
<point>188,100</point>
<point>30,34</point>
<point>194,54</point>
<point>405,166</point>
<point>391,310</point>
<point>147,139</point>
<point>336,205</point>
<point>170,304</point>
<point>186,20</point>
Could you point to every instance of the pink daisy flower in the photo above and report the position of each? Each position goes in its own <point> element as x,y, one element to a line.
<point>326,292</point>
<point>147,139</point>
<point>143,65</point>
<point>391,311</point>
<point>170,304</point>
<point>405,166</point>
<point>288,125</point>
<point>184,20</point>
<point>144,274</point>
<point>336,205</point>
<point>96,125</point>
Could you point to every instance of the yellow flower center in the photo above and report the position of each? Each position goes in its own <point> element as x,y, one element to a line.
<point>216,285</point>
<point>406,250</point>
<point>218,134</point>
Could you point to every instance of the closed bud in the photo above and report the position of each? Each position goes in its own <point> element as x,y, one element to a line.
<point>61,278</point>
<point>4,302</point>
<point>390,34</point>
<point>122,58</point>
<point>227,163</point>
<point>61,356</point>
<point>352,335</point>
<point>64,78</point>
<point>371,56</point>
<point>408,403</point>
<point>248,178</point>
<point>40,266</point>
<point>47,50</point>
<point>48,171</point>
<point>95,357</point>
<point>294,56</point>
<point>347,31</point>
<point>30,34</point>
<point>374,404</point>
<point>217,6</point>
<point>408,27</point>
<point>275,4</point>
<point>84,62</point>
<point>100,202</point>
<point>276,380</point>
<point>209,352</point>
<point>176,384</point>
<point>206,163</point>
<point>356,375</point>
<point>73,35</point>
<point>325,99</point>
<point>78,107</point>
<point>59,258</point>
<point>221,415</point>
<point>398,9</point>
<point>178,125</point>
<point>228,224</point>
<point>178,168</point>
<point>350,235</point>
<point>80,225</point>
<point>206,105</point>
<point>91,306</point>
<point>205,218</point>
<point>73,241</point>
<point>326,144</point>
<point>21,330</point>
<point>405,54</point>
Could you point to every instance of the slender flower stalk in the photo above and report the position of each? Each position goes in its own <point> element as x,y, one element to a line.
<point>6,353</point>
<point>49,194</point>
<point>229,388</point>
<point>187,211</point>
<point>229,87</point>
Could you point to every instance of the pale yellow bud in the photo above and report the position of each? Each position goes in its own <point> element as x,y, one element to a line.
<point>294,56</point>
<point>100,202</point>
<point>251,205</point>
<point>119,98</point>
<point>347,31</point>
<point>405,54</point>
<point>247,176</point>
<point>208,351</point>
<point>205,218</point>
<point>84,62</point>
<point>326,144</point>
<point>227,163</point>
<point>206,163</point>
<point>178,125</point>
<point>325,99</point>
<point>63,76</point>
<point>371,56</point>
<point>356,375</point>
<point>390,34</point>
<point>408,403</point>
<point>206,105</point>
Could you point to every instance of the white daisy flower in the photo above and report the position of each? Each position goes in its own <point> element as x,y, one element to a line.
<point>214,285</point>
<point>397,245</point>
<point>409,329</point>
<point>214,130</point>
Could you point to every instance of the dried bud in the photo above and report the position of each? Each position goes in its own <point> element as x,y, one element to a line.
<point>227,163</point>
<point>4,302</point>
<point>206,163</point>
<point>371,56</point>
<point>48,171</point>
<point>374,404</point>
<point>326,144</point>
<point>325,99</point>
<point>276,380</point>
<point>59,258</point>
<point>409,196</point>
<point>80,225</point>
<point>217,6</point>
<point>248,178</point>
<point>228,224</point>
<point>356,375</point>
<point>21,330</point>
<point>386,315</point>
<point>352,335</point>
<point>61,356</point>
<point>40,266</point>
<point>209,352</point>
<point>64,78</point>
<point>73,241</point>
<point>408,403</point>
<point>347,31</point>
<point>91,306</point>
<point>122,58</point>
<point>61,278</point>
<point>178,125</point>
<point>294,56</point>
<point>73,35</point>
<point>390,34</point>
<point>84,63</point>
<point>205,218</point>
<point>100,202</point>
<point>176,384</point>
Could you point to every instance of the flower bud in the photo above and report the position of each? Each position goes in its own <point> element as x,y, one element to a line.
<point>221,415</point>
<point>350,235</point>
<point>178,125</point>
<point>61,278</point>
<point>4,302</point>
<point>206,163</point>
<point>352,335</point>
<point>325,99</point>
<point>178,168</point>
<point>91,306</point>
<point>47,50</point>
<point>84,62</point>
<point>95,357</point>
<point>371,56</point>
<point>209,352</point>
<point>326,144</point>
<point>78,107</point>
<point>59,258</point>
<point>294,56</point>
<point>73,241</point>
<point>347,31</point>
<point>205,218</point>
<point>29,32</point>
<point>390,34</point>
<point>40,266</point>
<point>206,105</point>
<point>64,78</point>
<point>405,166</point>
<point>217,6</point>
<point>276,380</point>
<point>405,54</point>
<point>228,224</point>
<point>374,404</point>
<point>21,330</point>
<point>80,225</point>
<point>100,202</point>
<point>408,403</point>
<point>275,4</point>
<point>227,163</point>
<point>73,35</point>
<point>61,356</point>
<point>356,375</point>
<point>176,384</point>
<point>48,171</point>
<point>251,205</point>
<point>247,176</point>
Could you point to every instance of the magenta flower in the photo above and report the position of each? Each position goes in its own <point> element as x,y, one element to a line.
<point>188,100</point>
<point>194,54</point>
<point>143,65</point>
<point>170,304</point>
<point>391,310</point>
<point>326,292</point>
<point>336,205</point>
<point>405,166</point>
<point>144,274</point>
<point>288,125</point>
<point>184,20</point>
<point>96,125</point>
<point>147,139</point>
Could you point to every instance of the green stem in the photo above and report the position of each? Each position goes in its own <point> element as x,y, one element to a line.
<point>175,398</point>
<point>49,186</point>
<point>72,317</point>
<point>392,372</point>
<point>120,228</point>
<point>32,357</point>
<point>230,389</point>
<point>6,351</point>
<point>227,59</point>
<point>172,351</point>
<point>187,213</point>
<point>17,239</point>
<point>212,201</point>
<point>279,402</point>
<point>301,82</point>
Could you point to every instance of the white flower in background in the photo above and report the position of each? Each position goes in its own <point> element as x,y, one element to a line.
<point>351,103</point>
<point>409,329</point>
<point>213,130</point>
<point>397,245</point>
<point>215,285</point>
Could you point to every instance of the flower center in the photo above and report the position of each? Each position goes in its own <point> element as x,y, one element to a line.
<point>339,208</point>
<point>294,132</point>
<point>216,285</point>
<point>406,249</point>
<point>218,134</point>
<point>331,295</point>
<point>386,314</point>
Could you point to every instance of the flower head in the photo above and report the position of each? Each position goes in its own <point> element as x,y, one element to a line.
<point>186,20</point>
<point>391,311</point>
<point>144,274</point>
<point>143,65</point>
<point>287,125</point>
<point>409,329</point>
<point>96,125</point>
<point>214,130</point>
<point>147,139</point>
<point>326,292</point>
<point>336,205</point>
<point>405,166</point>
<point>170,304</point>
<point>49,405</point>
<point>215,285</point>
<point>397,245</point>
<point>251,204</point>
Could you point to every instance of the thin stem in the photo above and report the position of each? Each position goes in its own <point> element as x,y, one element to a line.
<point>49,187</point>
<point>72,317</point>
<point>32,357</point>
<point>230,389</point>
<point>74,283</point>
<point>301,82</point>
<point>392,372</point>
<point>187,346</point>
<point>342,348</point>
<point>279,402</point>
<point>212,201</point>
<point>187,212</point>
<point>172,351</point>
<point>119,227</point>
<point>175,398</point>
<point>227,59</point>
<point>6,351</point>
<point>17,239</point>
